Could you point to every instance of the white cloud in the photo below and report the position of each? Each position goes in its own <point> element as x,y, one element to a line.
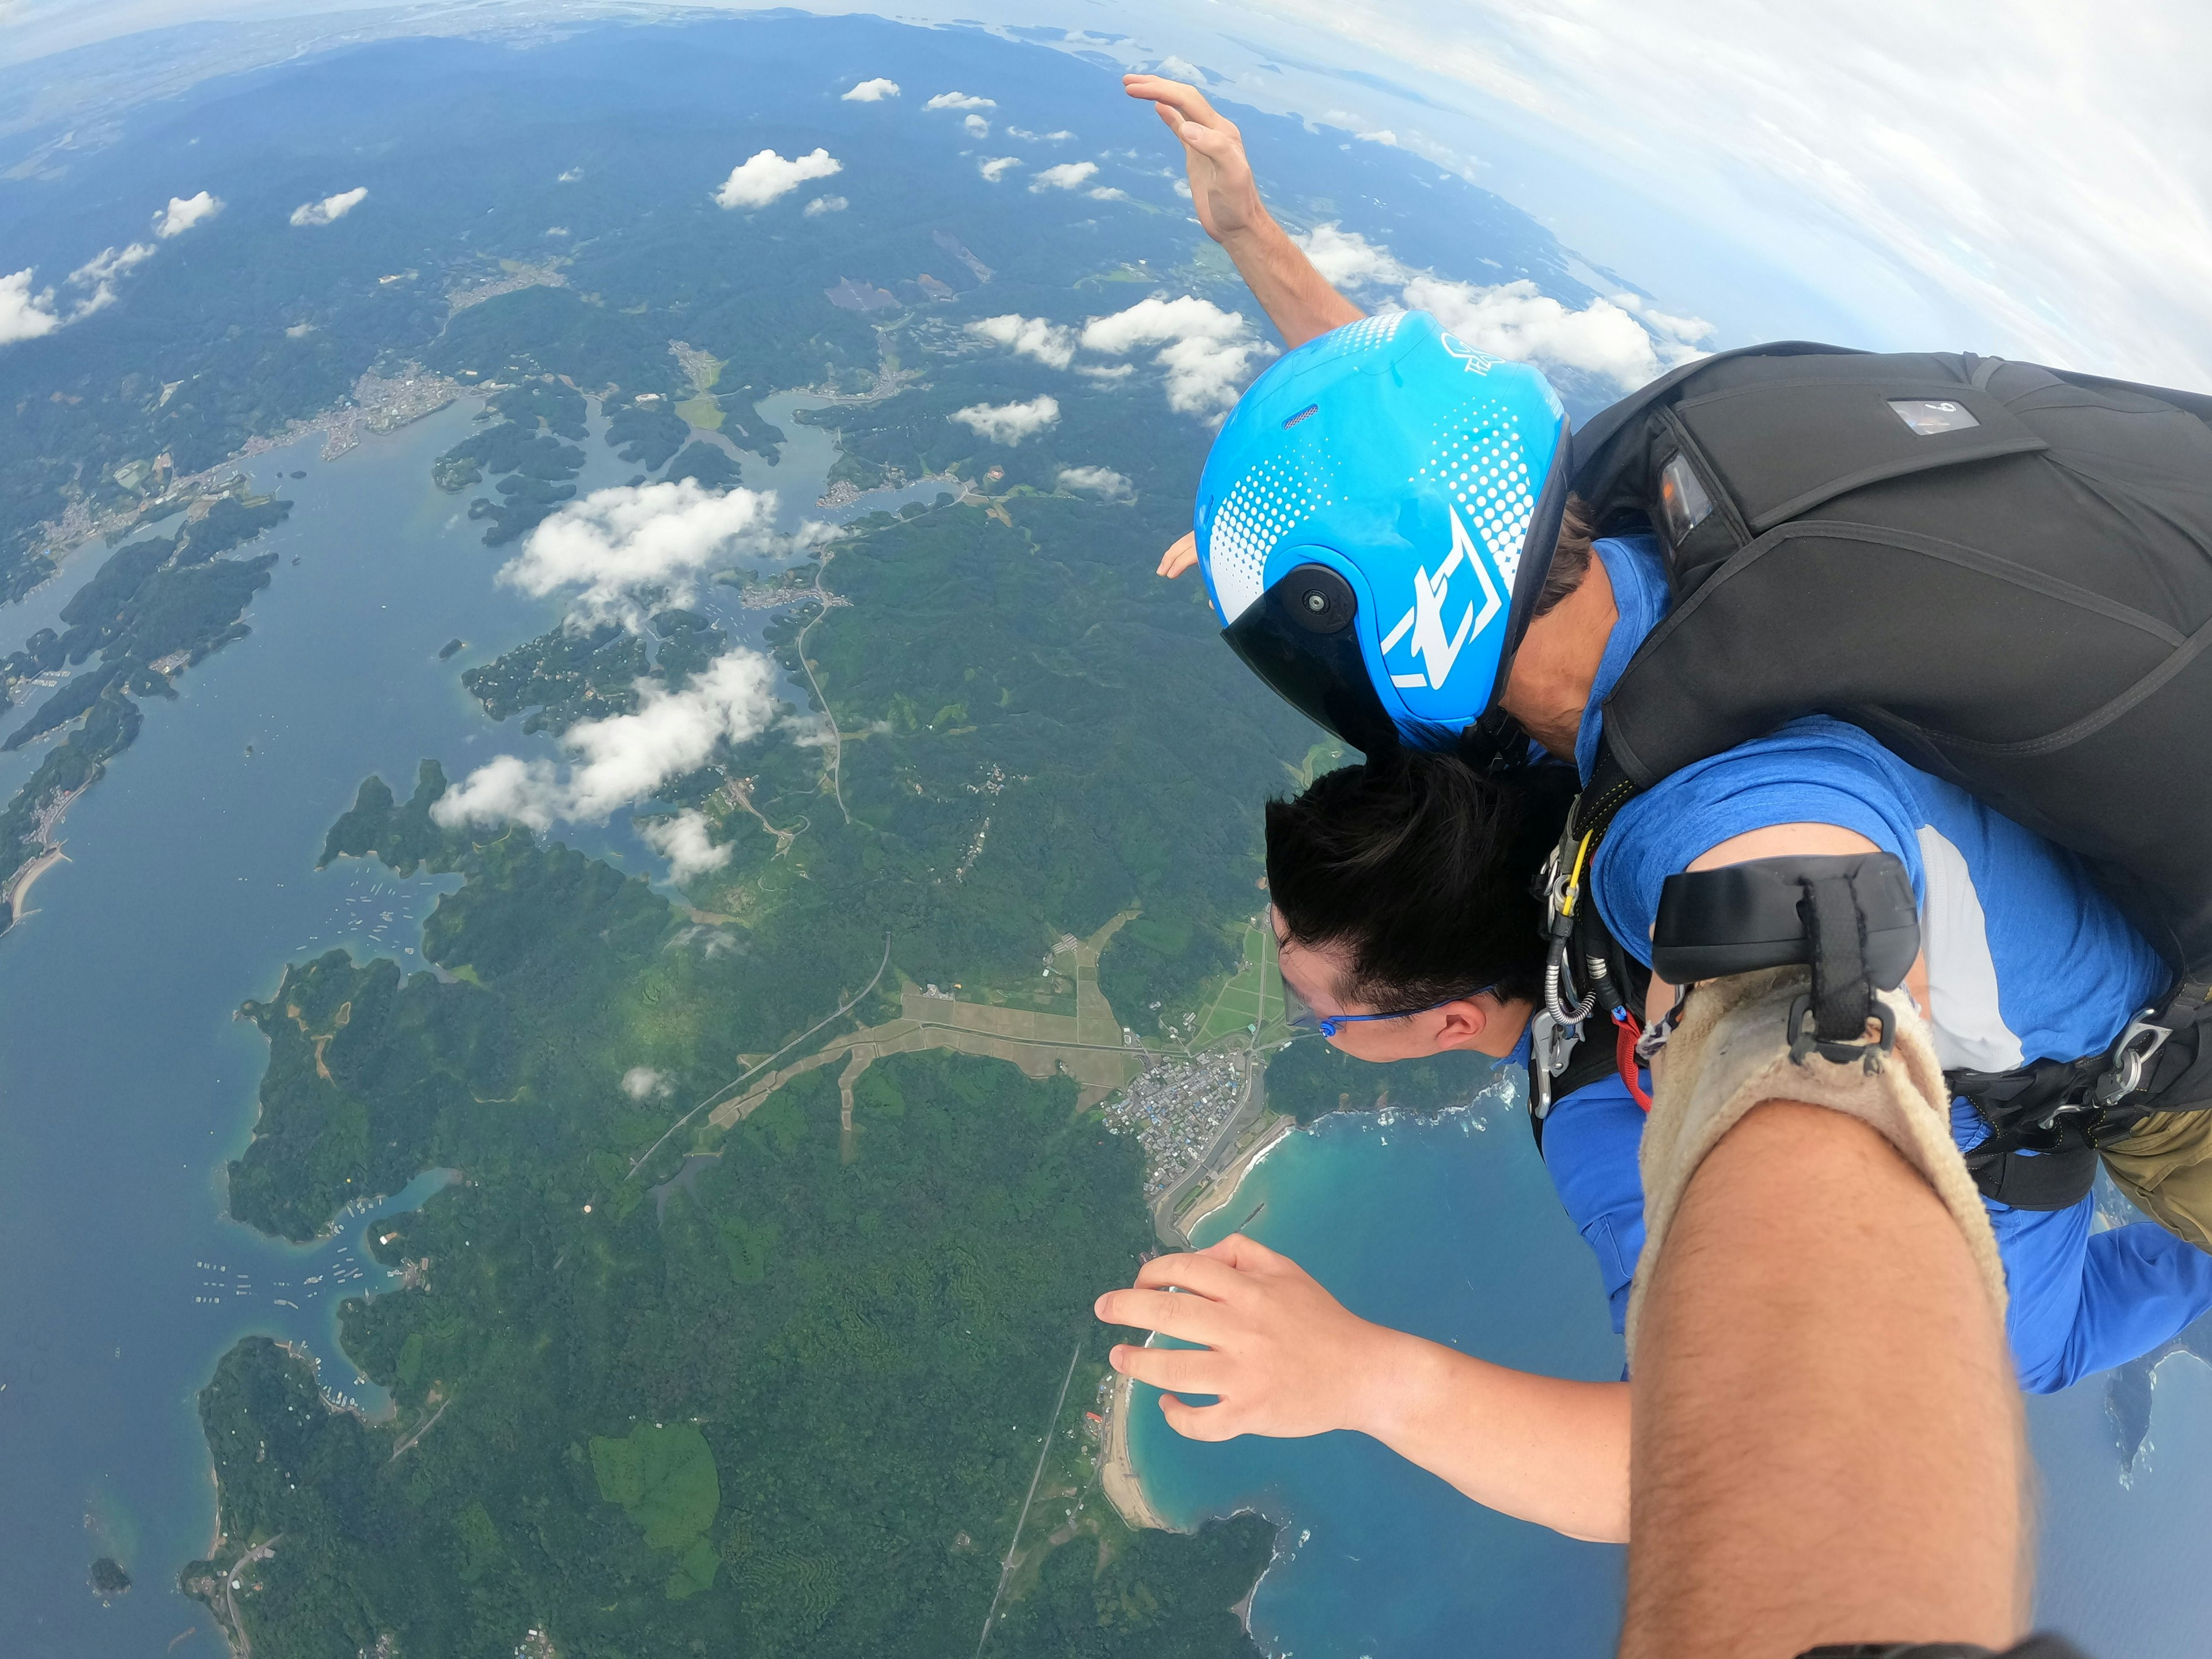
<point>1349,259</point>
<point>687,841</point>
<point>1009,423</point>
<point>2043,194</point>
<point>1067,176</point>
<point>1181,68</point>
<point>643,1083</point>
<point>873,92</point>
<point>1059,137</point>
<point>1106,371</point>
<point>1100,480</point>
<point>976,127</point>
<point>960,100</point>
<point>1621,340</point>
<point>620,547</point>
<point>557,230</point>
<point>997,167</point>
<point>185,211</point>
<point>1205,349</point>
<point>569,176</point>
<point>762,177</point>
<point>1108,193</point>
<point>624,758</point>
<point>1032,336</point>
<point>331,208</point>
<point>25,315</point>
<point>822,204</point>
<point>99,274</point>
<point>1384,136</point>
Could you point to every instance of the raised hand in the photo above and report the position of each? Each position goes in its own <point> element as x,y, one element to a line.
<point>1222,189</point>
<point>1296,298</point>
<point>1180,557</point>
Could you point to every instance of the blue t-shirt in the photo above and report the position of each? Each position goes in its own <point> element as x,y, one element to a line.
<point>2027,960</point>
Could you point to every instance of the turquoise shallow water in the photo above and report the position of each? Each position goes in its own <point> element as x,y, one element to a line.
<point>1449,1227</point>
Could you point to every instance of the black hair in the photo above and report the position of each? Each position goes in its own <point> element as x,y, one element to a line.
<point>1424,869</point>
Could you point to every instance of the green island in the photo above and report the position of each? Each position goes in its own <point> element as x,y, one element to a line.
<point>758,1319</point>
<point>784,1371</point>
<point>154,608</point>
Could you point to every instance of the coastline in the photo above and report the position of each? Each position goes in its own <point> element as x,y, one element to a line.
<point>376,405</point>
<point>18,887</point>
<point>1220,1188</point>
<point>1117,1468</point>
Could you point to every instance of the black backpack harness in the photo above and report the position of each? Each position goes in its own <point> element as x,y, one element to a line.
<point>2001,572</point>
<point>2045,1119</point>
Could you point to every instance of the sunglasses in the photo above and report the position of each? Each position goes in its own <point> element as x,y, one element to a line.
<point>1300,1017</point>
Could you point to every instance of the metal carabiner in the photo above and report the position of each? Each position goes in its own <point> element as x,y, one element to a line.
<point>2137,1045</point>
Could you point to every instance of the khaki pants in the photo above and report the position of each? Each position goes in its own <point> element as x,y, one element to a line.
<point>2165,1164</point>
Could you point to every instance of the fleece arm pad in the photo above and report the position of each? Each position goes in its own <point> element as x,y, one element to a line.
<point>1731,1053</point>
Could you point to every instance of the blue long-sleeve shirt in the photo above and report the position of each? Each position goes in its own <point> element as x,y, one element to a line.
<point>2027,960</point>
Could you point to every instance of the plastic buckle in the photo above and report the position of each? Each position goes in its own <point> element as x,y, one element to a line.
<point>1870,1055</point>
<point>2133,1052</point>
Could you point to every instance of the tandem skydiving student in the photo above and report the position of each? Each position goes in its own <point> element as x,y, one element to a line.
<point>1407,927</point>
<point>1385,530</point>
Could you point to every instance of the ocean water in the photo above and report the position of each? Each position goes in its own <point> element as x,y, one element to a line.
<point>126,1084</point>
<point>1447,1227</point>
<point>1450,1228</point>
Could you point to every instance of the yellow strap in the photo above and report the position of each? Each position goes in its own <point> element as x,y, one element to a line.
<point>1575,880</point>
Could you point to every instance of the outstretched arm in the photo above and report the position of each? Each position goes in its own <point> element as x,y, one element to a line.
<point>1296,298</point>
<point>1287,1359</point>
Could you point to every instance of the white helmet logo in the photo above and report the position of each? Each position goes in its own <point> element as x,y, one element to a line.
<point>1425,621</point>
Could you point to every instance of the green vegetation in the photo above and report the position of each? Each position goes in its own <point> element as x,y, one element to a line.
<point>1253,997</point>
<point>570,675</point>
<point>645,434</point>
<point>712,468</point>
<point>1309,1077</point>
<point>524,441</point>
<point>152,608</point>
<point>790,1406</point>
<point>1021,733</point>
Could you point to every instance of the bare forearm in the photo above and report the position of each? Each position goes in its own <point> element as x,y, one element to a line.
<point>1296,298</point>
<point>1828,1443</point>
<point>1542,1448</point>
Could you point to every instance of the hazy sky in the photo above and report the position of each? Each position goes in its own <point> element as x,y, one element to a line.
<point>2031,176</point>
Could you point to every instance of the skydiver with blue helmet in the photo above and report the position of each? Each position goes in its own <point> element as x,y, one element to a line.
<point>1377,527</point>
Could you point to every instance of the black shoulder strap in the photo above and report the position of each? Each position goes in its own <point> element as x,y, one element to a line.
<point>1602,428</point>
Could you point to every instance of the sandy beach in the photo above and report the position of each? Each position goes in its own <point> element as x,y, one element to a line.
<point>1117,1470</point>
<point>18,891</point>
<point>1221,1188</point>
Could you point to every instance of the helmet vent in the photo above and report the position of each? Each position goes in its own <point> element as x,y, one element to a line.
<point>1310,409</point>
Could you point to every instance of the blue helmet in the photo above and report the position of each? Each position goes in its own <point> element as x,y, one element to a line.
<point>1375,523</point>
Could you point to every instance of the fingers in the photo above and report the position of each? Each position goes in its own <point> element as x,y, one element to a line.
<point>1180,96</point>
<point>1195,1370</point>
<point>1208,1275</point>
<point>1180,557</point>
<point>1189,1318</point>
<point>1198,1422</point>
<point>1245,1254</point>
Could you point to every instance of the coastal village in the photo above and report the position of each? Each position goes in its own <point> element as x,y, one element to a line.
<point>1176,1111</point>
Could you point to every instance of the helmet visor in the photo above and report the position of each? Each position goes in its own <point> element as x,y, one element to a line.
<point>1299,638</point>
